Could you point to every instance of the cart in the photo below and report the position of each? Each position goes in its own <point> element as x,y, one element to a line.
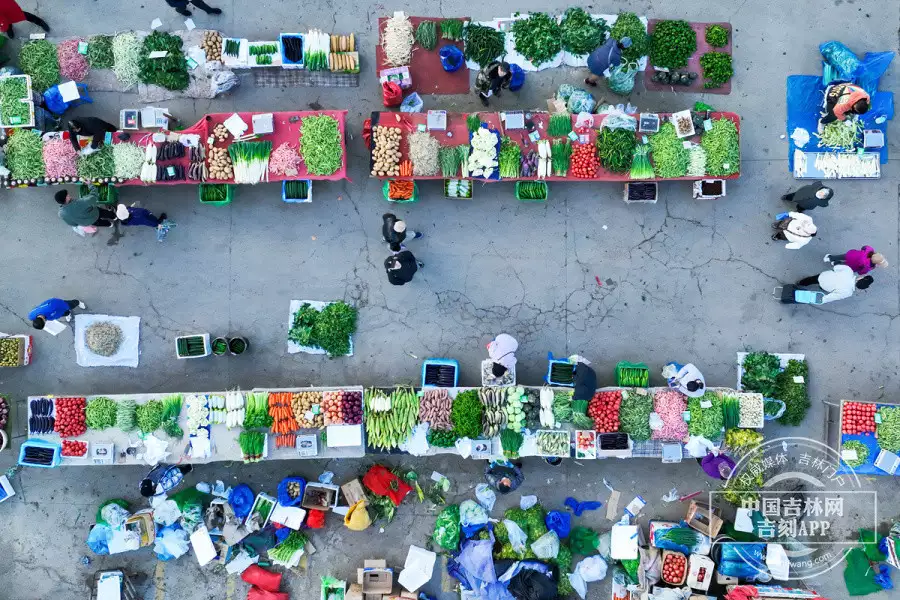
<point>115,584</point>
<point>800,296</point>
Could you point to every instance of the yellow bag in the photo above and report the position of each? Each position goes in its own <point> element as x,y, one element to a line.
<point>357,518</point>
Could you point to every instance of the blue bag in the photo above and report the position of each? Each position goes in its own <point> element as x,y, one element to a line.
<point>284,498</point>
<point>98,539</point>
<point>873,66</point>
<point>518,77</point>
<point>412,103</point>
<point>845,63</point>
<point>241,500</point>
<point>55,103</point>
<point>451,58</point>
<point>559,522</point>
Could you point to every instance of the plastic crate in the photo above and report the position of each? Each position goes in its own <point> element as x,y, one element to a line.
<point>297,200</point>
<point>415,194</point>
<point>207,348</point>
<point>623,365</point>
<point>287,63</point>
<point>229,194</point>
<point>111,196</point>
<point>552,361</point>
<point>543,183</point>
<point>447,191</point>
<point>445,363</point>
<point>57,453</point>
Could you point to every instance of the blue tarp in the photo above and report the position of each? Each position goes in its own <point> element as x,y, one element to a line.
<point>867,468</point>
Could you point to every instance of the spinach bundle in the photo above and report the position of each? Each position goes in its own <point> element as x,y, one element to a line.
<point>169,71</point>
<point>538,38</point>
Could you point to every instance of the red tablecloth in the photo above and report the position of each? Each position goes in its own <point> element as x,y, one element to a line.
<point>459,134</point>
<point>696,86</point>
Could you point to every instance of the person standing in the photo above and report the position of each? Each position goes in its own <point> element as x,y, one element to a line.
<point>401,267</point>
<point>584,379</point>
<point>491,79</point>
<point>131,216</point>
<point>11,12</point>
<point>838,283</point>
<point>163,478</point>
<point>504,476</point>
<point>53,309</point>
<point>861,261</point>
<point>84,211</point>
<point>502,352</point>
<point>842,100</point>
<point>687,379</point>
<point>604,58</point>
<point>89,127</point>
<point>810,196</point>
<point>796,228</point>
<point>181,7</point>
<point>394,231</point>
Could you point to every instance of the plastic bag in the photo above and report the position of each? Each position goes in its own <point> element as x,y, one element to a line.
<point>54,102</point>
<point>391,94</point>
<point>171,542</point>
<point>223,81</point>
<point>446,528</point>
<point>559,522</point>
<point>472,517</point>
<point>533,584</point>
<point>261,578</point>
<point>546,547</point>
<point>874,65</point>
<point>858,574</point>
<point>565,91</point>
<point>581,101</point>
<point>517,79</point>
<point>357,517</point>
<point>773,409</point>
<point>486,496</point>
<point>526,502</point>
<point>592,568</point>
<point>583,541</point>
<point>284,498</point>
<point>517,538</point>
<point>382,482</point>
<point>412,103</point>
<point>621,80</point>
<point>315,519</point>
<point>476,563</point>
<point>870,539</point>
<point>166,513</point>
<point>99,518</point>
<point>114,515</point>
<point>241,500</point>
<point>256,593</point>
<point>98,539</point>
<point>655,421</point>
<point>451,58</point>
<point>845,63</point>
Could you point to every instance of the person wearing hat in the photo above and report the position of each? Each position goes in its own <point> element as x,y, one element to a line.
<point>604,58</point>
<point>491,79</point>
<point>838,283</point>
<point>394,231</point>
<point>843,99</point>
<point>401,267</point>
<point>861,261</point>
<point>796,228</point>
<point>502,352</point>
<point>130,216</point>
<point>163,478</point>
<point>810,196</point>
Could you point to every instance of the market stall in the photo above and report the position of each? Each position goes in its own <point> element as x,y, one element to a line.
<point>870,438</point>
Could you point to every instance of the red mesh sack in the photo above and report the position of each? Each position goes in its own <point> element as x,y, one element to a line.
<point>367,133</point>
<point>256,593</point>
<point>267,580</point>
<point>391,94</point>
<point>315,519</point>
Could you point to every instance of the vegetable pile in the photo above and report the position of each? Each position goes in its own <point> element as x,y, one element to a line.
<point>252,444</point>
<point>616,149</point>
<point>434,408</point>
<point>169,71</point>
<point>13,111</point>
<point>861,450</point>
<point>584,161</point>
<point>125,416</point>
<point>41,420</point>
<point>149,416</point>
<point>509,159</point>
<point>9,352</point>
<point>127,160</point>
<point>100,413</point>
<point>858,417</point>
<point>560,125</point>
<point>97,166</point>
<point>604,410</point>
<point>386,152</point>
<point>758,373</point>
<point>706,422</point>
<point>532,190</point>
<point>717,69</point>
<point>750,410</point>
<point>670,405</point>
<point>72,64</point>
<point>426,34</point>
<point>284,161</point>
<point>60,159</point>
<point>640,163</point>
<point>537,37</point>
<point>329,329</point>
<point>742,441</point>
<point>629,25</point>
<point>483,44</point>
<point>38,58</point>
<point>844,134</point>
<point>103,338</point>
<point>212,45</point>
<point>674,568</point>
<point>493,415</point>
<point>465,414</point>
<point>401,190</point>
<point>723,150</point>
<point>452,29</point>
<point>888,431</point>
<point>553,443</point>
<point>511,443</point>
<point>74,448</point>
<point>451,158</point>
<point>672,43</point>
<point>793,393</point>
<point>127,54</point>
<point>214,192</point>
<point>296,190</point>
<point>171,410</point>
<point>70,419</point>
<point>697,164</point>
<point>670,157</point>
<point>585,444</point>
<point>320,144</point>
<point>581,33</point>
<point>100,52</point>
<point>250,161</point>
<point>483,160</point>
<point>560,151</point>
<point>388,429</point>
<point>423,152</point>
<point>716,36</point>
<point>25,155</point>
<point>397,41</point>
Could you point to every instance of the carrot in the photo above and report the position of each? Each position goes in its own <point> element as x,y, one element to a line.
<point>401,190</point>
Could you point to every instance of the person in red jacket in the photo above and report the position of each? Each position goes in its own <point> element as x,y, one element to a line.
<point>10,13</point>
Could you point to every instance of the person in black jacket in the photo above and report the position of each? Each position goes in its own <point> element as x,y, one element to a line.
<point>401,267</point>
<point>491,79</point>
<point>394,231</point>
<point>180,7</point>
<point>89,126</point>
<point>810,196</point>
<point>585,380</point>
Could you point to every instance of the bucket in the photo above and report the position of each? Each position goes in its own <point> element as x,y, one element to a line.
<point>238,345</point>
<point>219,346</point>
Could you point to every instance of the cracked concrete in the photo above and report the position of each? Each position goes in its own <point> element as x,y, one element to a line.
<point>585,273</point>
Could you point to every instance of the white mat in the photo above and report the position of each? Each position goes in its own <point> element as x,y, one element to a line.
<point>129,349</point>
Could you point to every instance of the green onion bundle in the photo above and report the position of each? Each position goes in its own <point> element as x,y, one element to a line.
<point>640,163</point>
<point>452,29</point>
<point>426,35</point>
<point>450,159</point>
<point>509,159</point>
<point>560,125</point>
<point>250,160</point>
<point>560,152</point>
<point>683,536</point>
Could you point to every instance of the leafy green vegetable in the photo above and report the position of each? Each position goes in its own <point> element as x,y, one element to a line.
<point>670,157</point>
<point>465,414</point>
<point>537,37</point>
<point>483,44</point>
<point>38,58</point>
<point>706,422</point>
<point>451,29</point>
<point>717,68</point>
<point>149,416</point>
<point>759,371</point>
<point>862,452</point>
<point>723,148</point>
<point>13,111</point>
<point>616,149</point>
<point>169,71</point>
<point>25,154</point>
<point>888,431</point>
<point>629,25</point>
<point>634,415</point>
<point>793,394</point>
<point>320,144</point>
<point>100,52</point>
<point>672,43</point>
<point>100,413</point>
<point>581,33</point>
<point>329,329</point>
<point>442,438</point>
<point>716,36</point>
<point>97,166</point>
<point>426,34</point>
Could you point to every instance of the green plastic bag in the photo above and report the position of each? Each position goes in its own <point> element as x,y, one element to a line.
<point>859,576</point>
<point>621,79</point>
<point>631,569</point>
<point>446,528</point>
<point>119,501</point>
<point>870,541</point>
<point>584,541</point>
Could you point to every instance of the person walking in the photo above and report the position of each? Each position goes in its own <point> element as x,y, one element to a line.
<point>504,476</point>
<point>90,127</point>
<point>131,216</point>
<point>838,283</point>
<point>604,58</point>
<point>84,211</point>
<point>401,267</point>
<point>394,231</point>
<point>11,12</point>
<point>491,79</point>
<point>810,196</point>
<point>53,309</point>
<point>861,261</point>
<point>502,352</point>
<point>181,7</point>
<point>796,228</point>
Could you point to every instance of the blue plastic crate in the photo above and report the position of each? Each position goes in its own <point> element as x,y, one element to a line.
<point>297,200</point>
<point>551,362</point>
<point>57,453</point>
<point>286,63</point>
<point>443,362</point>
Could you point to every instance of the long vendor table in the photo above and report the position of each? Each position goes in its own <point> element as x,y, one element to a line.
<point>457,133</point>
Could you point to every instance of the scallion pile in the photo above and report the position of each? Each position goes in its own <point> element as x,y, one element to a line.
<point>509,159</point>
<point>640,163</point>
<point>250,160</point>
<point>450,160</point>
<point>452,29</point>
<point>560,152</point>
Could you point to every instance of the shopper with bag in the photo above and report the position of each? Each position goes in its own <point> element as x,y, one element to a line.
<point>838,283</point>
<point>83,211</point>
<point>797,229</point>
<point>605,58</point>
<point>861,261</point>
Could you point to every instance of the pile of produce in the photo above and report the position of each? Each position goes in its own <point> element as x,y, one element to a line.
<point>103,338</point>
<point>706,422</point>
<point>217,410</point>
<point>9,351</point>
<point>169,71</point>
<point>100,413</point>
<point>127,160</point>
<point>25,155</point>
<point>397,40</point>
<point>459,188</point>
<point>331,404</point>
<point>604,410</point>
<point>511,443</point>
<point>426,34</point>
<point>553,443</point>
<point>672,43</point>
<point>851,447</point>
<point>616,149</point>
<point>212,45</point>
<point>465,414</point>
<point>423,152</point>
<point>731,411</point>
<point>13,111</point>
<point>670,157</point>
<point>70,417</point>
<point>434,408</point>
<point>845,135</point>
<point>531,404</point>
<point>560,151</point>
<point>442,438</point>
<point>585,444</point>
<point>282,413</point>
<point>197,414</point>
<point>318,45</point>
<point>584,161</point>
<point>388,429</point>
<point>532,190</point>
<point>640,163</point>
<point>285,161</point>
<point>283,553</point>
<point>537,37</point>
<point>742,441</point>
<point>674,568</point>
<point>256,412</point>
<point>220,166</point>
<point>581,33</point>
<point>515,413</point>
<point>38,58</point>
<point>451,159</point>
<point>401,190</point>
<point>723,149</point>
<point>750,410</point>
<point>386,153</point>
<point>329,329</point>
<point>669,405</point>
<point>473,122</point>
<point>716,36</point>
<point>252,444</point>
<point>302,403</point>
<point>126,417</point>
<point>296,190</point>
<point>483,44</point>
<point>72,64</point>
<point>858,418</point>
<point>99,166</point>
<point>250,161</point>
<point>758,373</point>
<point>320,144</point>
<point>509,158</point>
<point>41,420</point>
<point>483,159</point>
<point>171,411</point>
<point>560,123</point>
<point>74,448</point>
<point>100,52</point>
<point>493,400</point>
<point>351,407</point>
<point>451,29</point>
<point>234,409</point>
<point>717,69</point>
<point>793,393</point>
<point>127,53</point>
<point>214,192</point>
<point>60,160</point>
<point>148,416</point>
<point>697,164</point>
<point>629,25</point>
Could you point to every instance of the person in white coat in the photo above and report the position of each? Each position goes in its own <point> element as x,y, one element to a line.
<point>796,228</point>
<point>502,351</point>
<point>838,283</point>
<point>687,379</point>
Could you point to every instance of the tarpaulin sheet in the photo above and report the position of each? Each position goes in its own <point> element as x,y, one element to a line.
<point>425,70</point>
<point>693,63</point>
<point>805,95</point>
<point>459,134</point>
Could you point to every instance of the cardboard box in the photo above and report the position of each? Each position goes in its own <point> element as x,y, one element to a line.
<point>666,553</point>
<point>354,592</point>
<point>704,519</point>
<point>353,492</point>
<point>700,572</point>
<point>375,578</point>
<point>624,541</point>
<point>331,492</point>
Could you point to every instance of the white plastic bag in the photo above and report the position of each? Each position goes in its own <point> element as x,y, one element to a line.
<point>172,542</point>
<point>517,538</point>
<point>699,446</point>
<point>486,496</point>
<point>592,568</point>
<point>166,513</point>
<point>546,547</point>
<point>417,443</point>
<point>114,515</point>
<point>526,502</point>
<point>472,514</point>
<point>656,422</point>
